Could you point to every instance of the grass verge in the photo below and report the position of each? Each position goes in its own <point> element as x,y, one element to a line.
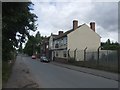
<point>6,71</point>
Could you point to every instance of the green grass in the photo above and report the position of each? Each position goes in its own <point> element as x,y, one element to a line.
<point>6,71</point>
<point>7,68</point>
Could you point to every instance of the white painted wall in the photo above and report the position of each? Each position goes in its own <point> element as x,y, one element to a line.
<point>83,37</point>
<point>62,42</point>
<point>61,53</point>
<point>51,42</point>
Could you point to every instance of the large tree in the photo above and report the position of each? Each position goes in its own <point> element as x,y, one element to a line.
<point>33,44</point>
<point>17,21</point>
<point>30,46</point>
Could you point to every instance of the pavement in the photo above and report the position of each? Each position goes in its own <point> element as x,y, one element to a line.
<point>105,74</point>
<point>21,76</point>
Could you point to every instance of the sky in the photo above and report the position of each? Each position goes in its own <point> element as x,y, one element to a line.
<point>59,15</point>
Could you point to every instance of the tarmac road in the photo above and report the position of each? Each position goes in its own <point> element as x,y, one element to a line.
<point>48,75</point>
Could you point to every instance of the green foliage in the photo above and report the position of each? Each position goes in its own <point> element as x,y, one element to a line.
<point>6,70</point>
<point>16,18</point>
<point>38,42</point>
<point>33,44</point>
<point>29,45</point>
<point>110,46</point>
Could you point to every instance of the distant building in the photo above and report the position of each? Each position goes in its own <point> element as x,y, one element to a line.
<point>45,47</point>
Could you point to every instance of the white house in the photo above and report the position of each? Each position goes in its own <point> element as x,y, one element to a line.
<point>78,38</point>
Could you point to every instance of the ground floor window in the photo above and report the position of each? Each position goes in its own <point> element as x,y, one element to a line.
<point>56,53</point>
<point>64,53</point>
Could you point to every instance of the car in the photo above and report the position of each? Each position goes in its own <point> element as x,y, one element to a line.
<point>44,59</point>
<point>33,57</point>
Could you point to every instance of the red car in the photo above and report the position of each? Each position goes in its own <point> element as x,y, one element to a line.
<point>33,57</point>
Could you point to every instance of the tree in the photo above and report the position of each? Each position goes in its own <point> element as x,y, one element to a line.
<point>33,45</point>
<point>17,19</point>
<point>38,44</point>
<point>29,47</point>
<point>110,46</point>
<point>108,42</point>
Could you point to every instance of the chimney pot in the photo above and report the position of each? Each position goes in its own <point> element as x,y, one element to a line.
<point>92,26</point>
<point>75,24</point>
<point>60,32</point>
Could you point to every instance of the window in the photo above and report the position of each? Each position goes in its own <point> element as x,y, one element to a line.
<point>56,46</point>
<point>65,40</point>
<point>64,53</point>
<point>61,42</point>
<point>56,53</point>
<point>47,46</point>
<point>55,42</point>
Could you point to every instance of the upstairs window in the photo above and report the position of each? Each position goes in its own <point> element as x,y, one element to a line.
<point>56,46</point>
<point>65,41</point>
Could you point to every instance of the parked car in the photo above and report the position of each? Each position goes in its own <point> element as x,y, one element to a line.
<point>44,59</point>
<point>33,57</point>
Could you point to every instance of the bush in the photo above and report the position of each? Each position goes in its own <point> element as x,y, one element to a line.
<point>5,71</point>
<point>7,66</point>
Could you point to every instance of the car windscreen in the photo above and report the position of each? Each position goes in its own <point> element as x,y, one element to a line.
<point>44,57</point>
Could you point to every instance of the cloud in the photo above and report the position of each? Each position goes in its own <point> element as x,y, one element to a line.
<point>106,15</point>
<point>59,15</point>
<point>55,16</point>
<point>75,0</point>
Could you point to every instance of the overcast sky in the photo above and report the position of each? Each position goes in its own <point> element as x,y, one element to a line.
<point>55,16</point>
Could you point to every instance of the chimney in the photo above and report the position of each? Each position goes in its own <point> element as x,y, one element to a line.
<point>75,24</point>
<point>92,26</point>
<point>60,32</point>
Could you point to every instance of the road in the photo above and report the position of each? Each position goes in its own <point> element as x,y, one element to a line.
<point>48,75</point>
